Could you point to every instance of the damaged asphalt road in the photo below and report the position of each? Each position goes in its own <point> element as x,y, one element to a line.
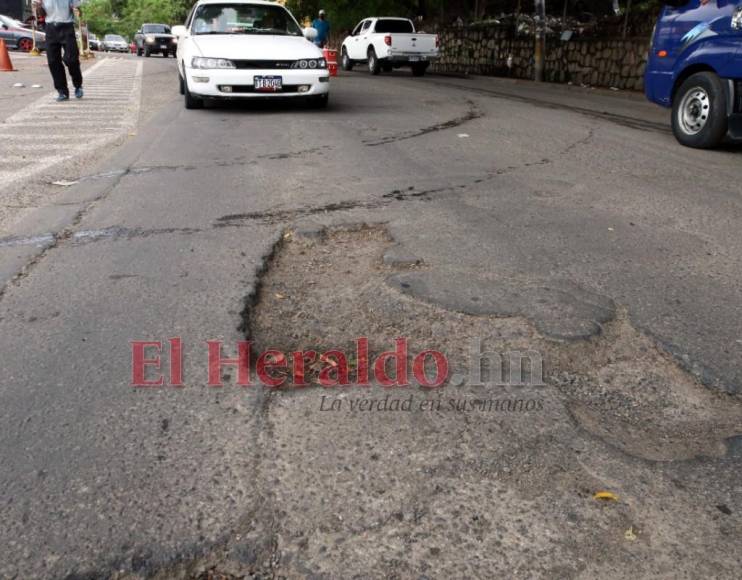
<point>532,217</point>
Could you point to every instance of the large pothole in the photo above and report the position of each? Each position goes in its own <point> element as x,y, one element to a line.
<point>477,491</point>
<point>325,291</point>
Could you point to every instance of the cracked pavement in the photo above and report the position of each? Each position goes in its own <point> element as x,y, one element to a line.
<point>554,218</point>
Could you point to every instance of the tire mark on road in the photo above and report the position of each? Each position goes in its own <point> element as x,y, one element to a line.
<point>472,114</point>
<point>623,120</point>
<point>398,195</point>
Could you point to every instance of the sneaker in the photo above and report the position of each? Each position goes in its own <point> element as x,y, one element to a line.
<point>78,93</point>
<point>62,97</point>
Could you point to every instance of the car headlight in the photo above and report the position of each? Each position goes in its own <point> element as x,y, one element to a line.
<point>737,20</point>
<point>201,62</point>
<point>310,63</point>
<point>150,39</point>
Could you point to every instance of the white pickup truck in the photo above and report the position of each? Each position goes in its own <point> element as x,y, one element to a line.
<point>389,43</point>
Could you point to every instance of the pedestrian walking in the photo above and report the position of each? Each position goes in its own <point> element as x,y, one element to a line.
<point>60,37</point>
<point>322,26</point>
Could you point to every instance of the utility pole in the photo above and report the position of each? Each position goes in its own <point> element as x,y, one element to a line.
<point>539,52</point>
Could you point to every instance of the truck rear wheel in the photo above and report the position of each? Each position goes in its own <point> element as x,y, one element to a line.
<point>419,69</point>
<point>374,66</point>
<point>699,112</point>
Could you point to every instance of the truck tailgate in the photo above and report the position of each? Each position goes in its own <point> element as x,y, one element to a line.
<point>422,44</point>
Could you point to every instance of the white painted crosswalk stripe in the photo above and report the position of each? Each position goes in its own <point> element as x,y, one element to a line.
<point>46,133</point>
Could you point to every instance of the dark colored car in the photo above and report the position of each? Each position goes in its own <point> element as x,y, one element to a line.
<point>155,39</point>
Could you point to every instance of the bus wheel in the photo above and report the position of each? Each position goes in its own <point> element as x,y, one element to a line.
<point>699,113</point>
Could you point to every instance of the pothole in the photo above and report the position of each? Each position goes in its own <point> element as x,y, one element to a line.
<point>323,292</point>
<point>472,492</point>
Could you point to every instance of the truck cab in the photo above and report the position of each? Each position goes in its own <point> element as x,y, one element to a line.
<point>695,68</point>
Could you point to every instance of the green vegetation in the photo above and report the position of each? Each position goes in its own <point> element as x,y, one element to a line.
<point>126,16</point>
<point>345,14</point>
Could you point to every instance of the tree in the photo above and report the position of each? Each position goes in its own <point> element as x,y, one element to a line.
<point>100,17</point>
<point>138,12</point>
<point>125,17</point>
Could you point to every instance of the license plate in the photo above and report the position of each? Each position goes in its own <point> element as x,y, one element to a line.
<point>268,84</point>
<point>414,59</point>
<point>163,46</point>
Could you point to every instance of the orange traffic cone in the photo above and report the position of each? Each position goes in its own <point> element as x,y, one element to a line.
<point>5,64</point>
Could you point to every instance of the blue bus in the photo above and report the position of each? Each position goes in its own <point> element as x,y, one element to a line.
<point>695,68</point>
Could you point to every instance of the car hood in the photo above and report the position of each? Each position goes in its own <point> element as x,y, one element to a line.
<point>259,47</point>
<point>158,34</point>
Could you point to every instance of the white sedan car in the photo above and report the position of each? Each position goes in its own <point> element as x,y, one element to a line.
<point>247,49</point>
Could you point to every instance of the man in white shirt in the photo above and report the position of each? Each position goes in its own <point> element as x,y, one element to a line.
<point>60,35</point>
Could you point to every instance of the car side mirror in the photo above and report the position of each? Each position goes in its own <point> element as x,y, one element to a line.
<point>179,31</point>
<point>310,34</point>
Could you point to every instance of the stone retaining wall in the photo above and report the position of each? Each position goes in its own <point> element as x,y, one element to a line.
<point>485,50</point>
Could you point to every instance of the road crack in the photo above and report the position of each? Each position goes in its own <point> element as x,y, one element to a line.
<point>410,193</point>
<point>472,114</point>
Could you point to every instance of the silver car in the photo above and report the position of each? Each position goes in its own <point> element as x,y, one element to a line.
<point>18,35</point>
<point>115,43</point>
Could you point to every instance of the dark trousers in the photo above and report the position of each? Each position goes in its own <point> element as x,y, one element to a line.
<point>61,37</point>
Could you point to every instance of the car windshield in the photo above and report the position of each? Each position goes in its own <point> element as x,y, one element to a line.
<point>114,38</point>
<point>244,19</point>
<point>394,26</point>
<point>156,29</point>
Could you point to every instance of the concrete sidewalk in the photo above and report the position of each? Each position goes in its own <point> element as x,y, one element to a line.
<point>31,70</point>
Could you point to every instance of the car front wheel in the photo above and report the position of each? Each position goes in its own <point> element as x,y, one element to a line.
<point>191,101</point>
<point>347,63</point>
<point>699,115</point>
<point>320,102</point>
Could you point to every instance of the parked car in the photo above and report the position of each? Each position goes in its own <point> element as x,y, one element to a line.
<point>246,49</point>
<point>695,67</point>
<point>115,43</point>
<point>18,35</point>
<point>389,43</point>
<point>155,39</point>
<point>93,42</point>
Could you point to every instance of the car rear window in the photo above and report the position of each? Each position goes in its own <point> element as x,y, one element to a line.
<point>394,26</point>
